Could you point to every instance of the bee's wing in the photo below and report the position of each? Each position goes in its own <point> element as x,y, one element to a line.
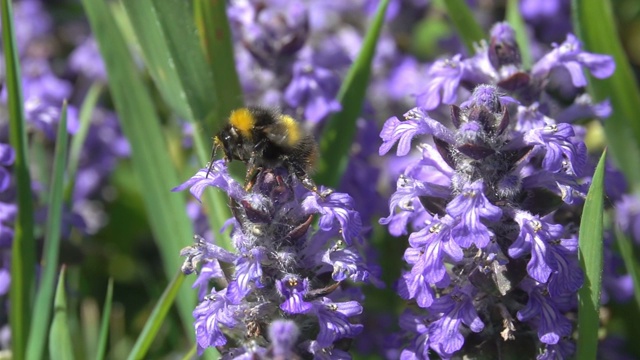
<point>277,133</point>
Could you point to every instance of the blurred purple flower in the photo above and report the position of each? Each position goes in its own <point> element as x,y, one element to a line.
<point>271,31</point>
<point>31,22</point>
<point>86,60</point>
<point>44,94</point>
<point>314,89</point>
<point>405,78</point>
<point>551,19</point>
<point>283,335</point>
<point>104,146</point>
<point>628,216</point>
<point>8,211</point>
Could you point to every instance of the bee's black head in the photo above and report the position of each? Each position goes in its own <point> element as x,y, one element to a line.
<point>230,141</point>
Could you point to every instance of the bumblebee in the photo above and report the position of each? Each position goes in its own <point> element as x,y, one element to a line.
<point>265,138</point>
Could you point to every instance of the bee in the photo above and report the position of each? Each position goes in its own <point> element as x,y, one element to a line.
<point>266,138</point>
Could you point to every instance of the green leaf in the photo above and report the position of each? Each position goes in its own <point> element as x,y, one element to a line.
<point>168,37</point>
<point>215,34</point>
<point>60,345</point>
<point>155,173</point>
<point>191,354</point>
<point>23,253</point>
<point>153,324</point>
<point>172,51</point>
<point>340,130</point>
<point>590,256</point>
<point>104,323</point>
<point>86,112</point>
<point>622,127</point>
<point>44,297</point>
<point>468,28</point>
<point>514,17</point>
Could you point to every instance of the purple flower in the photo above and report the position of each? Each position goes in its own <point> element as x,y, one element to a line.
<point>416,122</point>
<point>334,322</point>
<point>281,266</point>
<point>209,270</point>
<point>503,50</point>
<point>469,207</point>
<point>86,60</point>
<point>418,326</point>
<point>457,308</point>
<point>214,311</point>
<point>569,55</point>
<point>533,9</point>
<point>360,180</point>
<point>248,274</point>
<point>485,193</point>
<point>326,353</point>
<point>445,76</point>
<point>346,264</point>
<point>314,89</point>
<point>336,211</point>
<point>498,63</point>
<point>294,290</point>
<point>548,253</point>
<point>283,335</point>
<point>44,94</point>
<point>405,78</point>
<point>628,216</point>
<point>5,281</point>
<point>584,108</point>
<point>218,177</point>
<point>103,148</point>
<point>552,325</point>
<point>560,147</point>
<point>31,22</point>
<point>272,32</point>
<point>8,211</point>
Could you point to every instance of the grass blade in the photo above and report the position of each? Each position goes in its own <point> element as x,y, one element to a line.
<point>191,354</point>
<point>178,66</point>
<point>170,226</point>
<point>44,297</point>
<point>340,130</point>
<point>468,28</point>
<point>590,255</point>
<point>622,127</point>
<point>86,112</point>
<point>60,345</point>
<point>156,318</point>
<point>215,34</point>
<point>23,253</point>
<point>104,323</point>
<point>514,17</point>
<point>168,37</point>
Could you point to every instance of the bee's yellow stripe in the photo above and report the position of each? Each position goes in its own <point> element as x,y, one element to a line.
<point>293,129</point>
<point>243,120</point>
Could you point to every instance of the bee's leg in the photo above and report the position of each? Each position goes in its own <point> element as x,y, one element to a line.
<point>252,173</point>
<point>213,155</point>
<point>306,180</point>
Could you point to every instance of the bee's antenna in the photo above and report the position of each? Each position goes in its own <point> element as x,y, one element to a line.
<point>213,155</point>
